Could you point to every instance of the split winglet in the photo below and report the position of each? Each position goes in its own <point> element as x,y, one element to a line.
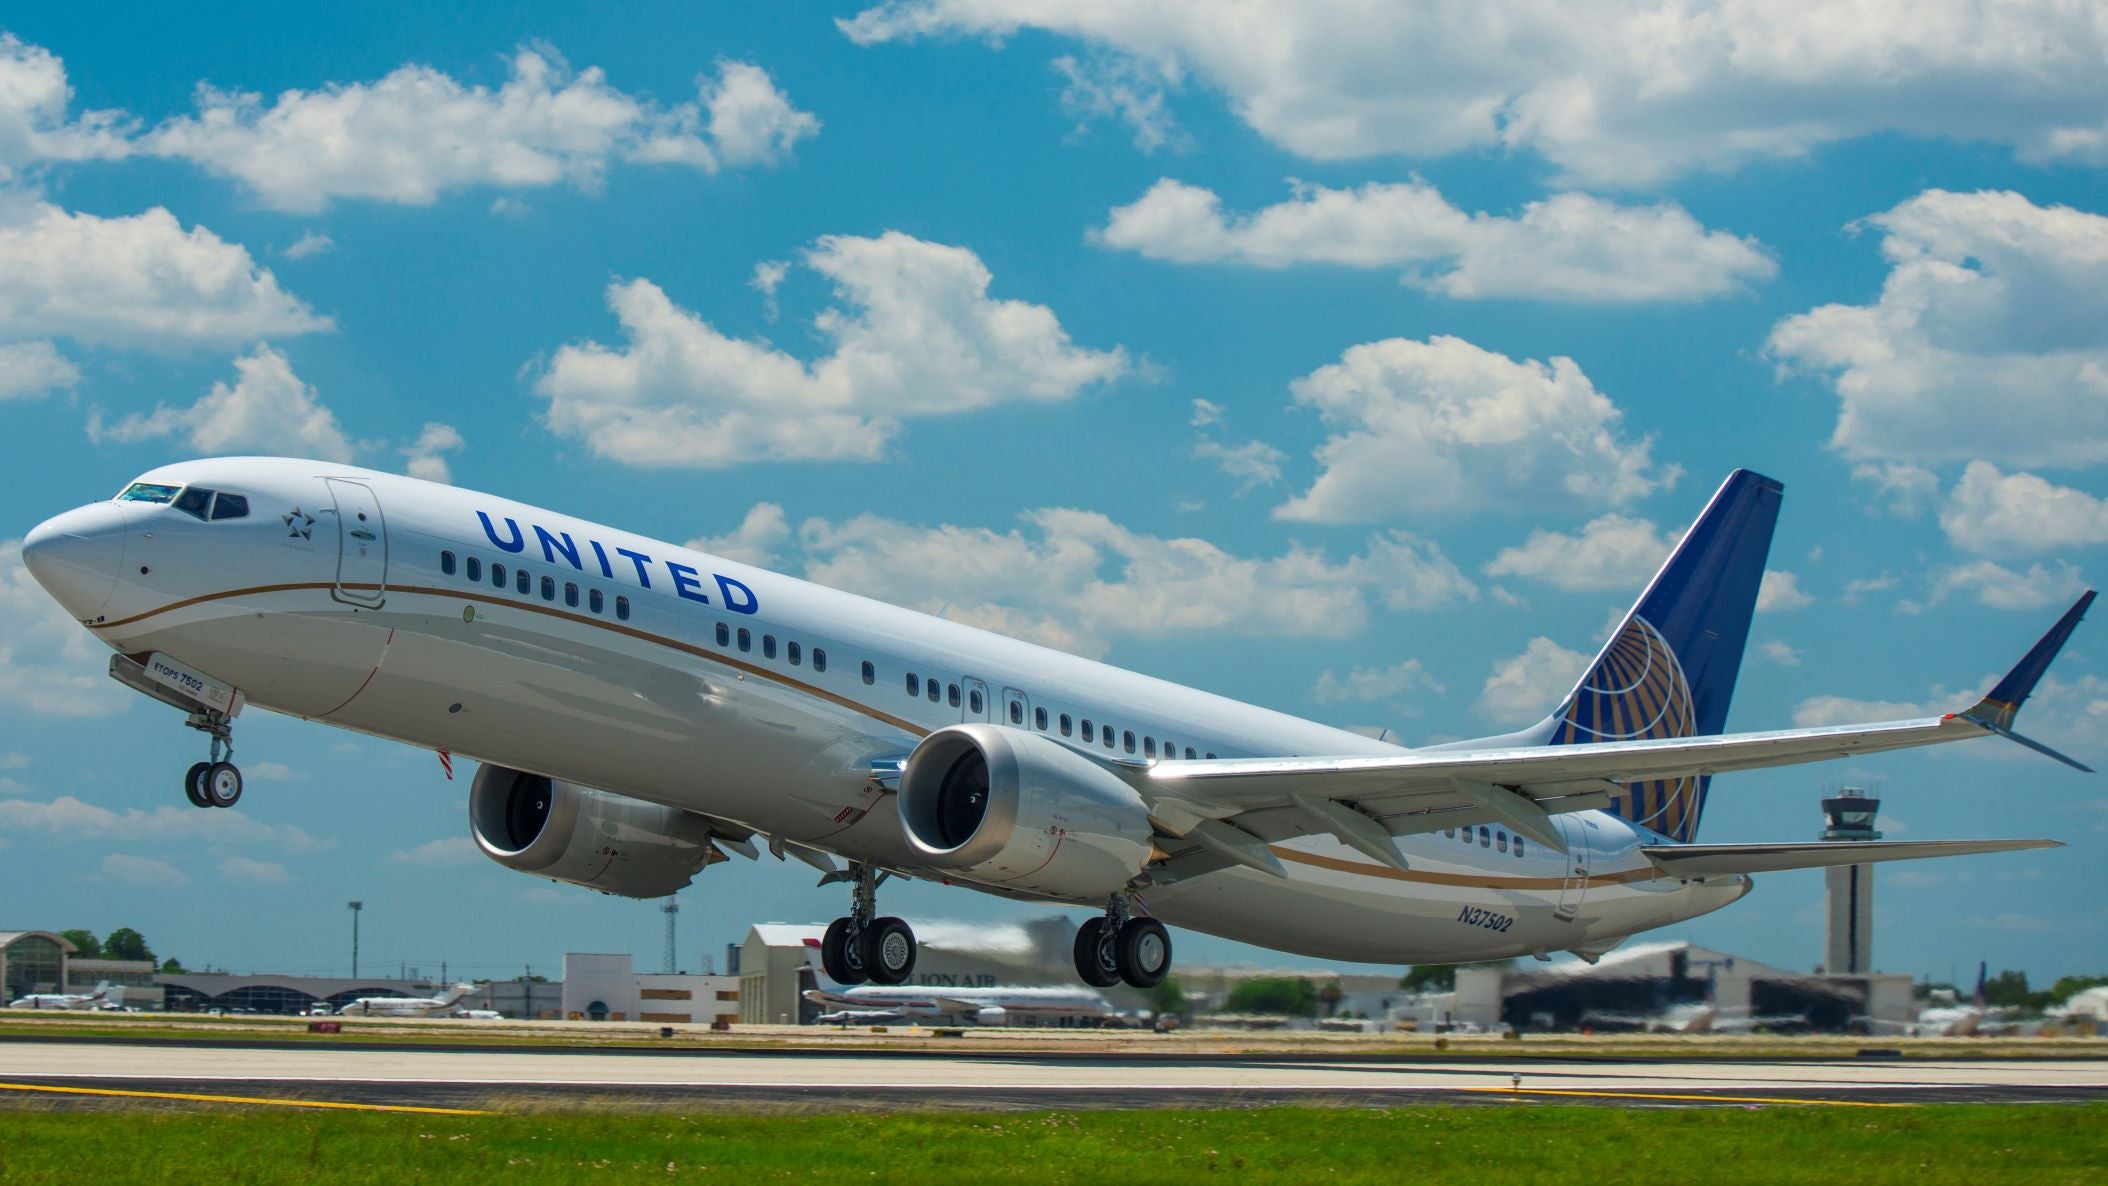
<point>1998,708</point>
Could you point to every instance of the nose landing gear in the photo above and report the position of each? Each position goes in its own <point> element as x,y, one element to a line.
<point>217,782</point>
<point>862,947</point>
<point>1121,946</point>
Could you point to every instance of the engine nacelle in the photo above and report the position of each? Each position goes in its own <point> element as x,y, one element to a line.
<point>1009,808</point>
<point>578,835</point>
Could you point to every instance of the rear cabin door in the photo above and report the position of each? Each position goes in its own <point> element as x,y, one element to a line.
<point>362,544</point>
<point>1573,888</point>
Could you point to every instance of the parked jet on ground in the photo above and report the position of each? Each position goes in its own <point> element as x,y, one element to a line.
<point>406,1006</point>
<point>877,1005</point>
<point>639,707</point>
<point>104,997</point>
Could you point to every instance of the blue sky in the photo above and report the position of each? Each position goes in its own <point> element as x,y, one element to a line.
<point>1361,366</point>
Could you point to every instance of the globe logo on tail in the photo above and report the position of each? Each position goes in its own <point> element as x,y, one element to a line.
<point>1637,691</point>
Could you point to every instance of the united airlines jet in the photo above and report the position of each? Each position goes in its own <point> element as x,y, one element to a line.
<point>640,709</point>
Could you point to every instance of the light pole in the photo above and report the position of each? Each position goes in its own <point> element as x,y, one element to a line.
<point>355,908</point>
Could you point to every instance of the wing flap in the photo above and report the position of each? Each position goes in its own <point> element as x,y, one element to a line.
<point>1709,860</point>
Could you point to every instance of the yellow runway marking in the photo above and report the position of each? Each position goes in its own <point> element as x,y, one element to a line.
<point>1667,1095</point>
<point>238,1099</point>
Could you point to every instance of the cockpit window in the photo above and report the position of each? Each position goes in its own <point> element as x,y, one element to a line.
<point>194,501</point>
<point>148,492</point>
<point>230,506</point>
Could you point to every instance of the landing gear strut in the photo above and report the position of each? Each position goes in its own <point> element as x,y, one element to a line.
<point>862,947</point>
<point>1121,945</point>
<point>217,782</point>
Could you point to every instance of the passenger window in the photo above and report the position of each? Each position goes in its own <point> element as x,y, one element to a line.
<point>870,672</point>
<point>230,506</point>
<point>1017,713</point>
<point>746,640</point>
<point>1189,753</point>
<point>497,575</point>
<point>1039,719</point>
<point>475,569</point>
<point>954,697</point>
<point>1211,757</point>
<point>914,685</point>
<point>933,691</point>
<point>571,594</point>
<point>596,601</point>
<point>768,646</point>
<point>1066,725</point>
<point>548,587</point>
<point>1107,734</point>
<point>194,501</point>
<point>819,659</point>
<point>724,635</point>
<point>1127,740</point>
<point>1087,734</point>
<point>1518,846</point>
<point>796,655</point>
<point>1149,747</point>
<point>622,607</point>
<point>1500,841</point>
<point>1485,836</point>
<point>446,564</point>
<point>1450,832</point>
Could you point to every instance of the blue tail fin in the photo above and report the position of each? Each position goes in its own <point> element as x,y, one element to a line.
<point>1670,669</point>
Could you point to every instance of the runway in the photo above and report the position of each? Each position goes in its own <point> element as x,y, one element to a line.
<point>97,1074</point>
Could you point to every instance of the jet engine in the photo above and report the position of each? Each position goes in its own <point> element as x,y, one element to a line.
<point>581,836</point>
<point>1009,808</point>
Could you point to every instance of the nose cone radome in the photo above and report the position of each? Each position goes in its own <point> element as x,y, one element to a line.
<point>77,556</point>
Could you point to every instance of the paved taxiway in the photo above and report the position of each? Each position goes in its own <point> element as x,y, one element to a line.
<point>91,1072</point>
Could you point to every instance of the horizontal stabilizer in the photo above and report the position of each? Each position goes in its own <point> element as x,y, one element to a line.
<point>1710,860</point>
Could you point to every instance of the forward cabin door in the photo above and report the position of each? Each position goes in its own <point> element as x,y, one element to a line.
<point>362,544</point>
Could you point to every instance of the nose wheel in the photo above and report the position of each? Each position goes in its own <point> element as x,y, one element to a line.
<point>217,782</point>
<point>1122,947</point>
<point>861,947</point>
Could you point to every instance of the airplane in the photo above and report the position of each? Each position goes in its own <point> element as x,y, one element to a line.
<point>639,708</point>
<point>405,1006</point>
<point>104,997</point>
<point>876,1005</point>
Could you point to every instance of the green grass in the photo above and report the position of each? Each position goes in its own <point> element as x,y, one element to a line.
<point>1537,1145</point>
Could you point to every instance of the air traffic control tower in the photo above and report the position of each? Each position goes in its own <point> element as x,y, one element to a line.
<point>1848,948</point>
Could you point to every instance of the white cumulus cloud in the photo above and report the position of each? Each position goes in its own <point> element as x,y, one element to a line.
<point>1373,683</point>
<point>1618,92</point>
<point>143,871</point>
<point>268,409</point>
<point>915,334</point>
<point>417,132</point>
<point>250,869</point>
<point>1444,425</point>
<point>1076,580</point>
<point>1780,591</point>
<point>1525,688</point>
<point>49,664</point>
<point>1613,553</point>
<point>2000,514</point>
<point>34,125</point>
<point>426,456</point>
<point>1989,339</point>
<point>138,280</point>
<point>447,850</point>
<point>31,369</point>
<point>1568,247</point>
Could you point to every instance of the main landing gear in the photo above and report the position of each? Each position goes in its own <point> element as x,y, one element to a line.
<point>861,947</point>
<point>1123,946</point>
<point>217,782</point>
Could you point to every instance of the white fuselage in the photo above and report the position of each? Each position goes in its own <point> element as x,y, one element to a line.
<point>650,670</point>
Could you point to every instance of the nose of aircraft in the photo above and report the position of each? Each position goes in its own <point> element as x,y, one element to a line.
<point>77,556</point>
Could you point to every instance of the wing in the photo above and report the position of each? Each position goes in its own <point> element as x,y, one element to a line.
<point>1707,860</point>
<point>1365,801</point>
